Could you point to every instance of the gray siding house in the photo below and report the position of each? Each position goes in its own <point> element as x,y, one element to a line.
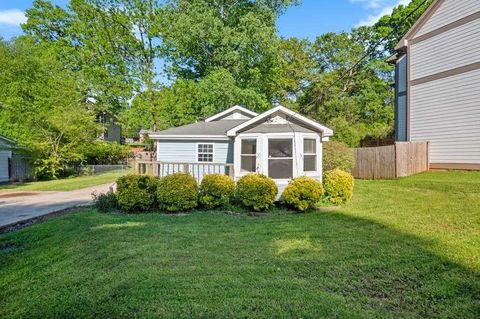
<point>279,143</point>
<point>6,146</point>
<point>438,84</point>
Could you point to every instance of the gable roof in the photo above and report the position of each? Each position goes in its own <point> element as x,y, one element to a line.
<point>7,140</point>
<point>291,114</point>
<point>225,129</point>
<point>231,110</point>
<point>403,43</point>
<point>215,129</point>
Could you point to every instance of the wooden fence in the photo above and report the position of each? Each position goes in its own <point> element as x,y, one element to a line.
<point>389,162</point>
<point>197,170</point>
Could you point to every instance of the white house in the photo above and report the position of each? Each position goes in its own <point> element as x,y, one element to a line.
<point>438,84</point>
<point>279,143</point>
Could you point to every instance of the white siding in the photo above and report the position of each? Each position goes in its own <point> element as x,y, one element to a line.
<point>186,151</point>
<point>450,11</point>
<point>446,51</point>
<point>4,156</point>
<point>446,112</point>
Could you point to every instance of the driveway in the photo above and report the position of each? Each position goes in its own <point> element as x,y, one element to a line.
<point>20,206</point>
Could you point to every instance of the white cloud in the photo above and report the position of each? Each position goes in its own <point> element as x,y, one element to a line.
<point>368,3</point>
<point>13,17</point>
<point>384,9</point>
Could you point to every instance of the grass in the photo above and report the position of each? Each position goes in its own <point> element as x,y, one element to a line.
<point>66,184</point>
<point>401,249</point>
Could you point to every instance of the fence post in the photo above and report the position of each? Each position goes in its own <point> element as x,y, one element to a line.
<point>185,168</point>
<point>428,155</point>
<point>395,173</point>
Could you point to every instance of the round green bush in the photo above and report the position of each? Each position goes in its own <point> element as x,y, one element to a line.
<point>337,155</point>
<point>302,193</point>
<point>216,190</point>
<point>136,193</point>
<point>256,191</point>
<point>177,192</point>
<point>338,186</point>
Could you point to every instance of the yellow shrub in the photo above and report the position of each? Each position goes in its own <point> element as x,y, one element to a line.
<point>338,186</point>
<point>256,191</point>
<point>302,193</point>
<point>216,190</point>
<point>177,192</point>
<point>136,193</point>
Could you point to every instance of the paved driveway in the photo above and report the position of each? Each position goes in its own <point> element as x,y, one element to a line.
<point>19,206</point>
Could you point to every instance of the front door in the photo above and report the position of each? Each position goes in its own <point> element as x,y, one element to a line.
<point>280,158</point>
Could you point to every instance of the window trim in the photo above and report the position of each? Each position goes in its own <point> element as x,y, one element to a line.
<point>255,155</point>
<point>310,154</point>
<point>198,153</point>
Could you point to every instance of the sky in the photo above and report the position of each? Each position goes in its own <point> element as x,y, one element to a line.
<point>307,20</point>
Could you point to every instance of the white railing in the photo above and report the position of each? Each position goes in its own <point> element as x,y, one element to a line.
<point>197,170</point>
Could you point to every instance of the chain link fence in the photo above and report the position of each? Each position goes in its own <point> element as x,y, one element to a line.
<point>92,170</point>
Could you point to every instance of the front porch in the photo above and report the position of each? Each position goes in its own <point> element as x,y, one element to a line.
<point>197,169</point>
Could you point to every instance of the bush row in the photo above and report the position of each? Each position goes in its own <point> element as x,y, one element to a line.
<point>180,192</point>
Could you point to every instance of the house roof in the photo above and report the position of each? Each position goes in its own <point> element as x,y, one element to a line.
<point>7,140</point>
<point>204,129</point>
<point>403,43</point>
<point>238,108</point>
<point>292,115</point>
<point>278,128</point>
<point>225,128</point>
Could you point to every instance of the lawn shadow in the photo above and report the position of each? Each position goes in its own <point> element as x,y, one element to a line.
<point>327,264</point>
<point>378,268</point>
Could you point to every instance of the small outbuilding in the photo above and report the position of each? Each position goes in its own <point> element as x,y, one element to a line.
<point>14,161</point>
<point>6,146</point>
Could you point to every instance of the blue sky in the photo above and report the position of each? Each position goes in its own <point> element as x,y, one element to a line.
<point>308,20</point>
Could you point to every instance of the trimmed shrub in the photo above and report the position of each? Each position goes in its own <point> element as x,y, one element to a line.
<point>136,193</point>
<point>105,153</point>
<point>177,192</point>
<point>337,155</point>
<point>256,191</point>
<point>105,202</point>
<point>338,186</point>
<point>302,193</point>
<point>216,190</point>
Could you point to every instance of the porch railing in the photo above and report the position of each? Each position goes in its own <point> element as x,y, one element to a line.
<point>197,170</point>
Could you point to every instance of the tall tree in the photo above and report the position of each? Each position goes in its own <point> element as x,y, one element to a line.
<point>115,43</point>
<point>239,36</point>
<point>353,97</point>
<point>41,106</point>
<point>399,22</point>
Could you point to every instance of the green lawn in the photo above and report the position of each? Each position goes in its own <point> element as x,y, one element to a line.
<point>401,249</point>
<point>66,184</point>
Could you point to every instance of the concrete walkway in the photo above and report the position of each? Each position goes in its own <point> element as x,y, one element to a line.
<point>20,206</point>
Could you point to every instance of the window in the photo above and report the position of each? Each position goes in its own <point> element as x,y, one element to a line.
<point>205,152</point>
<point>280,158</point>
<point>249,155</point>
<point>309,155</point>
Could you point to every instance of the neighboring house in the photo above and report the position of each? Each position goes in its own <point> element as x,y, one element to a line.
<point>112,132</point>
<point>438,83</point>
<point>6,146</point>
<point>14,164</point>
<point>279,143</point>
